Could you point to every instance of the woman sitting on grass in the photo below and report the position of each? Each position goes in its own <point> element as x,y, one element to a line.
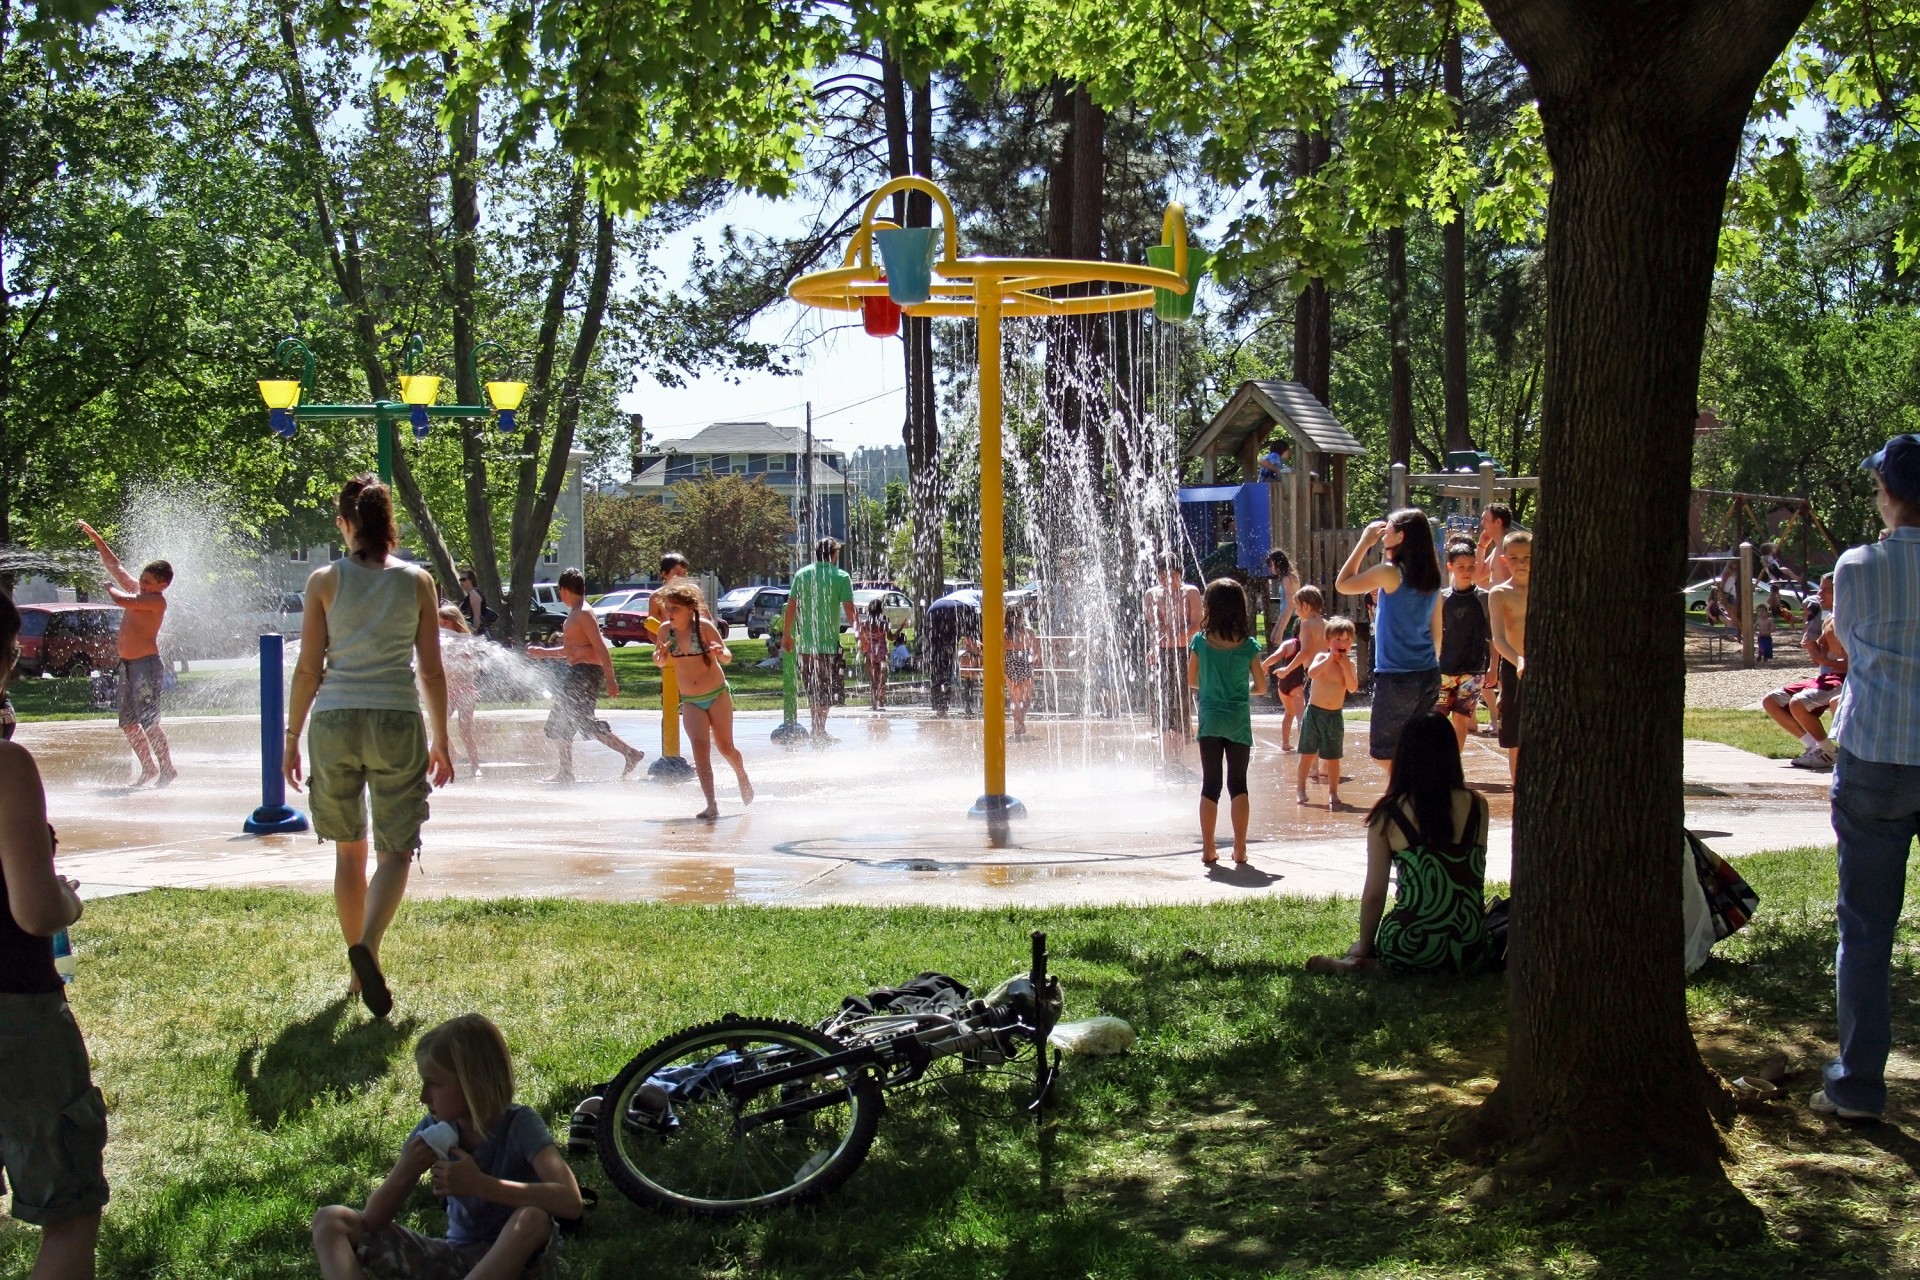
<point>492,1160</point>
<point>53,1122</point>
<point>1431,832</point>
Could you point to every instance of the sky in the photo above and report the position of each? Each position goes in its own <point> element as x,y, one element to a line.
<point>855,382</point>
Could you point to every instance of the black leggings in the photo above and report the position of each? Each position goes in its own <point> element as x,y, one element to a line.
<point>1236,753</point>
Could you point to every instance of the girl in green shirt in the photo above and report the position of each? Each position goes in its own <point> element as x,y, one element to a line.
<point>1220,660</point>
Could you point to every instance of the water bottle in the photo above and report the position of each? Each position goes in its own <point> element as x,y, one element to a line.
<point>63,956</point>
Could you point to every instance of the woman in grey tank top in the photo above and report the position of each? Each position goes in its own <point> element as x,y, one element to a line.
<point>368,621</point>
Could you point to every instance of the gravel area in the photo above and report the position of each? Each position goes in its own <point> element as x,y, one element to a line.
<point>1717,685</point>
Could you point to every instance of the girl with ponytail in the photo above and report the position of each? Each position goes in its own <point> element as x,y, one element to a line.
<point>370,629</point>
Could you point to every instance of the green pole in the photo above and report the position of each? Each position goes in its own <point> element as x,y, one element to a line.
<point>789,693</point>
<point>789,729</point>
<point>383,432</point>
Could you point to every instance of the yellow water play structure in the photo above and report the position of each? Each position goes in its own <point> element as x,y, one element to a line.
<point>923,273</point>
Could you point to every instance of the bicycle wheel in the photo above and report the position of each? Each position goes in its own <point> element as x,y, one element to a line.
<point>685,1126</point>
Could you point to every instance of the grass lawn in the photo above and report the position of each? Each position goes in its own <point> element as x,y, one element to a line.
<point>1268,1123</point>
<point>1747,730</point>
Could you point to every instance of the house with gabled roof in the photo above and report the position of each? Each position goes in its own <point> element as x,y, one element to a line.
<point>776,456</point>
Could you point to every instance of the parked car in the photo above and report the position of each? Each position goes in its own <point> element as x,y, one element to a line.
<point>896,606</point>
<point>628,624</point>
<point>68,639</point>
<point>763,613</point>
<point>547,595</point>
<point>1696,595</point>
<point>284,617</point>
<point>544,621</point>
<point>621,599</point>
<point>732,607</point>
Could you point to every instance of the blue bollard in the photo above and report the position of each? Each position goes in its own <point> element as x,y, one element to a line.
<point>274,816</point>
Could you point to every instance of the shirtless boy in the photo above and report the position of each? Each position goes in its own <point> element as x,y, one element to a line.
<point>144,605</point>
<point>1173,612</point>
<point>1507,611</point>
<point>1323,730</point>
<point>589,665</point>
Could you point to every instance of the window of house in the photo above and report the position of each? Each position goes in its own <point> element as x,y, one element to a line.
<point>737,463</point>
<point>298,555</point>
<point>778,462</point>
<point>550,554</point>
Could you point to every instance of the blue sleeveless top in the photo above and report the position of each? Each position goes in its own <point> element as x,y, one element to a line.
<point>1403,631</point>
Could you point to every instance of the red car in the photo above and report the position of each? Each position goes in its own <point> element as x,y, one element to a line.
<point>628,623</point>
<point>68,639</point>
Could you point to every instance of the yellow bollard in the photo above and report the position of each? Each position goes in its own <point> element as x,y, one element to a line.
<point>670,764</point>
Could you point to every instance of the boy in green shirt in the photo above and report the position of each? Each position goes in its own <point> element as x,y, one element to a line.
<point>821,594</point>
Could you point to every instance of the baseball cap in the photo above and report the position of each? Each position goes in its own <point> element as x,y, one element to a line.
<point>1898,463</point>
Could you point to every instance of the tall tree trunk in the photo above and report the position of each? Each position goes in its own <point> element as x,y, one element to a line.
<point>1312,312</point>
<point>1453,271</point>
<point>910,150</point>
<point>1643,107</point>
<point>1077,374</point>
<point>543,394</point>
<point>1399,358</point>
<point>1399,353</point>
<point>530,537</point>
<point>344,255</point>
<point>463,135</point>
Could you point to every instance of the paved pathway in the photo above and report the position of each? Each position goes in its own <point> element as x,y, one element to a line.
<point>878,818</point>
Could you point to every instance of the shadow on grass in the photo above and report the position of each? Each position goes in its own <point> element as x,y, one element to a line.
<point>315,1060</point>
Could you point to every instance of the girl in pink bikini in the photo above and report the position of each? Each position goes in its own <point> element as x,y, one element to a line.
<point>698,652</point>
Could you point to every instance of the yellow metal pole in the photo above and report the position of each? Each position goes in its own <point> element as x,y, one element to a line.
<point>670,766</point>
<point>993,569</point>
<point>669,711</point>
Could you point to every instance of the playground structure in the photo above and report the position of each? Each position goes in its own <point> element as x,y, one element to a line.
<point>1302,512</point>
<point>1463,494</point>
<point>1749,523</point>
<point>921,273</point>
<point>1757,517</point>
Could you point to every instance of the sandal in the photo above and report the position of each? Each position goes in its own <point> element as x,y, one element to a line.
<point>373,984</point>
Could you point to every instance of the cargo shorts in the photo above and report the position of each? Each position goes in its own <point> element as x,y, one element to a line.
<point>361,758</point>
<point>53,1122</point>
<point>141,680</point>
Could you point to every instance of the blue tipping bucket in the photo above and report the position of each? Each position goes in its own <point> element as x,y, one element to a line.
<point>908,255</point>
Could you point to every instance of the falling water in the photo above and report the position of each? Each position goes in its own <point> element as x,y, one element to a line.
<point>1089,514</point>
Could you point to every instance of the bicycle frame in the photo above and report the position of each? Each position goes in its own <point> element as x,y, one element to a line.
<point>901,1057</point>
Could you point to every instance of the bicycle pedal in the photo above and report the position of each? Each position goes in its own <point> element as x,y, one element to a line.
<point>583,1127</point>
<point>650,1110</point>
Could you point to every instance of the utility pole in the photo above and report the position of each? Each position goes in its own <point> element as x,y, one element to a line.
<point>806,501</point>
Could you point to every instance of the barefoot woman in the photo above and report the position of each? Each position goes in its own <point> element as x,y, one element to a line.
<point>368,619</point>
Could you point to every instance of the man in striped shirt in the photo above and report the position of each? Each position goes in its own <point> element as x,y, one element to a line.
<point>1876,778</point>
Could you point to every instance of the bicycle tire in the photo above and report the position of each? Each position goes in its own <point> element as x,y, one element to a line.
<point>694,1157</point>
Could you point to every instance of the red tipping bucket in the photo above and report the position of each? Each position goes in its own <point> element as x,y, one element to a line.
<point>880,315</point>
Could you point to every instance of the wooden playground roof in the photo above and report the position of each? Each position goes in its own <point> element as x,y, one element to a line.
<point>1254,410</point>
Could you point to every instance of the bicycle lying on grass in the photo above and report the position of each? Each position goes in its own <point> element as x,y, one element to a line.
<point>760,1113</point>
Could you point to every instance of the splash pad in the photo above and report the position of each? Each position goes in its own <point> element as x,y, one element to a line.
<point>921,280</point>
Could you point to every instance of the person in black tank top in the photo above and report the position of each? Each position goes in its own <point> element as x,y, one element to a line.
<point>53,1122</point>
<point>1466,641</point>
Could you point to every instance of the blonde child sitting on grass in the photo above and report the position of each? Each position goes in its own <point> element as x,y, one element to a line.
<point>504,1181</point>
